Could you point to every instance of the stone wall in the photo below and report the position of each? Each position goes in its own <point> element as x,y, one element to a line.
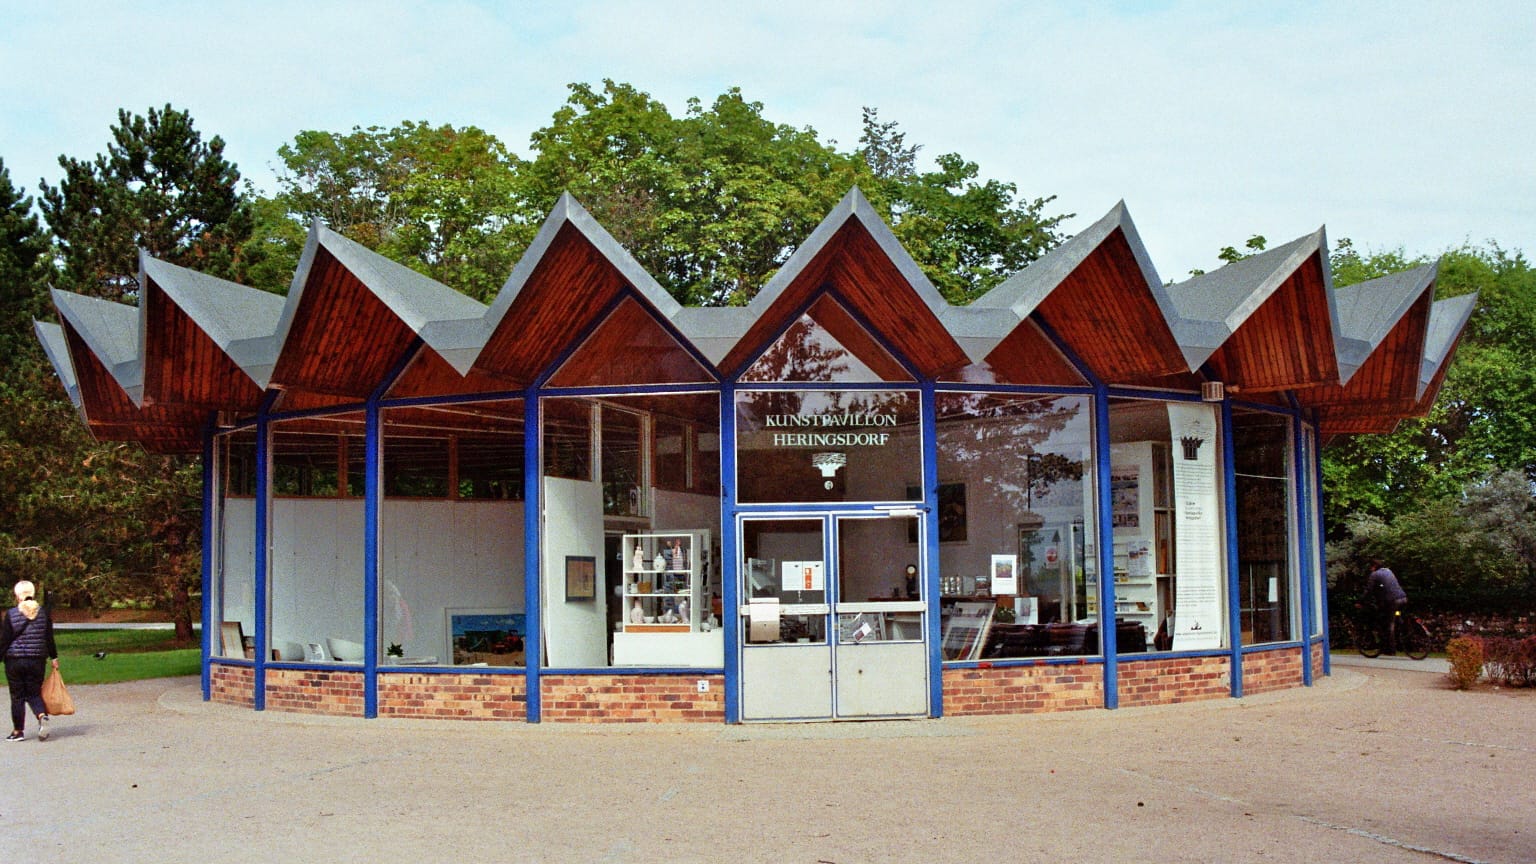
<point>1164,681</point>
<point>453,697</point>
<point>316,691</point>
<point>632,698</point>
<point>1025,689</point>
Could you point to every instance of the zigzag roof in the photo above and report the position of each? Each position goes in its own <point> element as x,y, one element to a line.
<point>1091,311</point>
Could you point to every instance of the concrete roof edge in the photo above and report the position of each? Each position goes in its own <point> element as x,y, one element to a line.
<point>111,332</point>
<point>56,349</point>
<point>1448,318</point>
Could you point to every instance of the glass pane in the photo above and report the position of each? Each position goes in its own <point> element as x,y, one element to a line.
<point>1025,465</point>
<point>827,445</point>
<point>671,467</point>
<point>782,559</point>
<point>567,438</point>
<point>630,347</point>
<point>826,345</point>
<point>1169,585</point>
<point>622,479</point>
<point>1265,580</point>
<point>236,549</point>
<point>875,562</point>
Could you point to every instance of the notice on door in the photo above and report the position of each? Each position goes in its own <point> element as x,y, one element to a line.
<point>1198,622</point>
<point>802,576</point>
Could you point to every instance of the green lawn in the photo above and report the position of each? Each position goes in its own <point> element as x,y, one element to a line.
<point>131,655</point>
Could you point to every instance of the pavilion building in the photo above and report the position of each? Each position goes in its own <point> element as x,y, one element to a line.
<point>847,499</point>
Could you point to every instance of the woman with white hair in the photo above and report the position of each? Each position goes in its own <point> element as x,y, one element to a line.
<point>26,640</point>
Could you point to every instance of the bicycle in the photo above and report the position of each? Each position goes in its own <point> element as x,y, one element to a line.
<point>1409,633</point>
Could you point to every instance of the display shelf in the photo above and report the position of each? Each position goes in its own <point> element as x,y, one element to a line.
<point>665,576</point>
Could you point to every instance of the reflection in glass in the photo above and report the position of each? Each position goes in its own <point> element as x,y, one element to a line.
<point>1025,464</point>
<point>1262,445</point>
<point>827,445</point>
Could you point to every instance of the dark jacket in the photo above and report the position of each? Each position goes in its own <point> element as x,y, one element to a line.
<point>1383,591</point>
<point>22,638</point>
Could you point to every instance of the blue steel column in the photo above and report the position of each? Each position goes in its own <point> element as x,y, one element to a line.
<point>730,619</point>
<point>373,494</point>
<point>533,639</point>
<point>929,424</point>
<point>208,543</point>
<point>1106,547</point>
<point>1316,467</point>
<point>1229,492</point>
<point>1306,568</point>
<point>263,543</point>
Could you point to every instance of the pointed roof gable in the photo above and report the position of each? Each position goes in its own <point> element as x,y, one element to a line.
<point>1370,310</point>
<point>343,289</point>
<point>572,272</point>
<point>1264,323</point>
<point>853,255</point>
<point>1447,322</point>
<point>1098,293</point>
<point>206,341</point>
<point>111,332</point>
<point>100,339</point>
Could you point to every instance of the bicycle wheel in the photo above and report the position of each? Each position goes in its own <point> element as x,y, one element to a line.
<point>1413,638</point>
<point>1368,640</point>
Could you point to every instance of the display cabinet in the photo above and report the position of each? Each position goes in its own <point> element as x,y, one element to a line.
<point>667,612</point>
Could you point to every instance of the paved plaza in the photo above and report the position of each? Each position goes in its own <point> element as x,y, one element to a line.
<point>1379,763</point>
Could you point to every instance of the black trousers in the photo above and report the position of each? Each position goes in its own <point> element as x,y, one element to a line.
<point>25,677</point>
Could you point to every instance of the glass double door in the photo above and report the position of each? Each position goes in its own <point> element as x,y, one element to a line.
<point>832,617</point>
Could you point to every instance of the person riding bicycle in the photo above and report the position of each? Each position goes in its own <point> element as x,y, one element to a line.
<point>1385,597</point>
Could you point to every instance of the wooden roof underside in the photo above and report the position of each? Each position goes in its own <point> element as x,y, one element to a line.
<point>576,320</point>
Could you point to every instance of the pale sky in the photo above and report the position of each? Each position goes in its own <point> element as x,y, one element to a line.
<point>1406,124</point>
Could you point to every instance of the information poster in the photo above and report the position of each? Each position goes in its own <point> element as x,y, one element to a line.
<point>1198,619</point>
<point>802,576</point>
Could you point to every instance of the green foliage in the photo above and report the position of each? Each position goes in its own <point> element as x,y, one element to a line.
<point>1473,553</point>
<point>270,256</point>
<point>1484,420</point>
<point>90,522</point>
<point>437,198</point>
<point>968,235</point>
<point>23,246</point>
<point>1466,658</point>
<point>710,203</point>
<point>160,188</point>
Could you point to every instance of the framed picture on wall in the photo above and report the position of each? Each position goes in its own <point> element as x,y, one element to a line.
<point>490,637</point>
<point>580,577</point>
<point>951,513</point>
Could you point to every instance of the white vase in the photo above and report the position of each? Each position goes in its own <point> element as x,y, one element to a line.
<point>636,614</point>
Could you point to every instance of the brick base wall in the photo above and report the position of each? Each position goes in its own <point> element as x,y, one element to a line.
<point>1271,670</point>
<point>1175,679</point>
<point>632,698</point>
<point>1317,661</point>
<point>453,697</point>
<point>315,691</point>
<point>1023,689</point>
<point>232,685</point>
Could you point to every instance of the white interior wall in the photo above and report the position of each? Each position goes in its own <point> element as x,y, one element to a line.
<point>575,633</point>
<point>440,555</point>
<point>317,570</point>
<point>239,565</point>
<point>433,555</point>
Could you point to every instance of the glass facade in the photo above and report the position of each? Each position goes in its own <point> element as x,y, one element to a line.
<point>1016,520</point>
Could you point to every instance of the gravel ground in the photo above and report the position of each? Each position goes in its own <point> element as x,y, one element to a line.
<point>1371,764</point>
